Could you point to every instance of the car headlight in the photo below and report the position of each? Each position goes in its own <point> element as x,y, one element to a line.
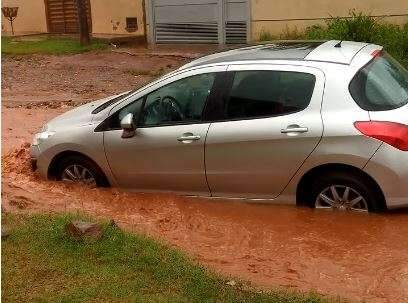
<point>42,136</point>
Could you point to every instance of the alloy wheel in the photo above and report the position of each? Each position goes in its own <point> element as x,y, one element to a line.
<point>341,197</point>
<point>78,173</point>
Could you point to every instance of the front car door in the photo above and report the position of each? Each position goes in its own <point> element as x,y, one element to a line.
<point>167,151</point>
<point>270,124</point>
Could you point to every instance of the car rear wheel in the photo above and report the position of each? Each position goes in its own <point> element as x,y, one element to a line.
<point>80,170</point>
<point>345,192</point>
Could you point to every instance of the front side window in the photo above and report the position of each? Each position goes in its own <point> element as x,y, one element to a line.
<point>380,85</point>
<point>113,122</point>
<point>257,94</point>
<point>182,101</point>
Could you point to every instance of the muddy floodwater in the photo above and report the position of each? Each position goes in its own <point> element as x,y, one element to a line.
<point>356,256</point>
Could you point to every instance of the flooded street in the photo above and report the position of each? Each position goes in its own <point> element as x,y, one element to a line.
<point>355,256</point>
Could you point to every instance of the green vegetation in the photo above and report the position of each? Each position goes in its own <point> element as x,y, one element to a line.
<point>266,36</point>
<point>41,264</point>
<point>47,45</point>
<point>286,34</point>
<point>356,27</point>
<point>364,28</point>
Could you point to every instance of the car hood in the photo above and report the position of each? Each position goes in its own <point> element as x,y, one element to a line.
<point>79,116</point>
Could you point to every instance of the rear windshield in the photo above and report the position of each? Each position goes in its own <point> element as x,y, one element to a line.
<point>381,85</point>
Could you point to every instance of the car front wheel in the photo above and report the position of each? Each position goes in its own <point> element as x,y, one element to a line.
<point>80,170</point>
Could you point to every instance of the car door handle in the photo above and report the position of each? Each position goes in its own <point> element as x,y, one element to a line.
<point>294,129</point>
<point>188,137</point>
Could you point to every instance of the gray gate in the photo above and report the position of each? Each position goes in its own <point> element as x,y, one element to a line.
<point>236,14</point>
<point>198,21</point>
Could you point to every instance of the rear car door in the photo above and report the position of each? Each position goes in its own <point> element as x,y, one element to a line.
<point>270,123</point>
<point>167,151</point>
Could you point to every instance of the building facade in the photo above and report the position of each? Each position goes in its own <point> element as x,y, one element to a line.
<point>31,17</point>
<point>276,15</point>
<point>106,17</point>
<point>192,21</point>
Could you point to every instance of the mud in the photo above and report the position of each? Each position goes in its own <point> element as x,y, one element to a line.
<point>19,125</point>
<point>352,255</point>
<point>356,256</point>
<point>50,81</point>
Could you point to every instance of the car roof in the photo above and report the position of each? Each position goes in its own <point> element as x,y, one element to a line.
<point>334,51</point>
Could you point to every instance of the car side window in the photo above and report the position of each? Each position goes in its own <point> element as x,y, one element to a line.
<point>182,101</point>
<point>135,107</point>
<point>380,85</point>
<point>256,94</point>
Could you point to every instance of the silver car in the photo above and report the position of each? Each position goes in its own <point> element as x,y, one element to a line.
<point>317,124</point>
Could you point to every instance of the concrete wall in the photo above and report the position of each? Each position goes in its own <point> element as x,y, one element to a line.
<point>275,16</point>
<point>109,16</point>
<point>30,18</point>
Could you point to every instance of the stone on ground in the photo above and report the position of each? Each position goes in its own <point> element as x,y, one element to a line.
<point>5,232</point>
<point>84,230</point>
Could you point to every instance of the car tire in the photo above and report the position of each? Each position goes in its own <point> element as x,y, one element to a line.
<point>357,186</point>
<point>80,162</point>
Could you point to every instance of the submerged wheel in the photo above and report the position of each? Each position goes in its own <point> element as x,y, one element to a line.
<point>80,170</point>
<point>341,197</point>
<point>346,192</point>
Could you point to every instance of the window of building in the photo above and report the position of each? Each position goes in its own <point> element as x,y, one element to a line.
<point>131,24</point>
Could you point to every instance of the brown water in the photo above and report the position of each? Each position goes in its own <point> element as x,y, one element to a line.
<point>356,256</point>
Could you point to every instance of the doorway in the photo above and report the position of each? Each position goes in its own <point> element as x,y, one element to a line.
<point>62,16</point>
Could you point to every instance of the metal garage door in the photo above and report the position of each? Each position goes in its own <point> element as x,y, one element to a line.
<point>62,16</point>
<point>236,16</point>
<point>199,21</point>
<point>186,21</point>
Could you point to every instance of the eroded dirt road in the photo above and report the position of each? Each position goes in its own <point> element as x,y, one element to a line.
<point>361,257</point>
<point>68,80</point>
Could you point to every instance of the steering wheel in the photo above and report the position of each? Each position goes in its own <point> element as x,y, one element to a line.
<point>174,106</point>
<point>165,109</point>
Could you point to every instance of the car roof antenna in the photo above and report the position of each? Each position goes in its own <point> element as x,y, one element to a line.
<point>338,44</point>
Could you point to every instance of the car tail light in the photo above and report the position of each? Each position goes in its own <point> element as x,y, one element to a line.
<point>395,134</point>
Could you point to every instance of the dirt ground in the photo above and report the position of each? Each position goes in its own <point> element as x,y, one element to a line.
<point>361,257</point>
<point>74,79</point>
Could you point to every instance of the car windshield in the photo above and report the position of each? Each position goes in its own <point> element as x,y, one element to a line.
<point>123,96</point>
<point>381,85</point>
<point>111,102</point>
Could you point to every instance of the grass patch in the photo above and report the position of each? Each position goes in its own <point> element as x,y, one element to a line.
<point>266,36</point>
<point>41,264</point>
<point>356,27</point>
<point>47,45</point>
<point>286,34</point>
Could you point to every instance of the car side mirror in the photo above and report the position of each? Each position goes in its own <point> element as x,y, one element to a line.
<point>128,126</point>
